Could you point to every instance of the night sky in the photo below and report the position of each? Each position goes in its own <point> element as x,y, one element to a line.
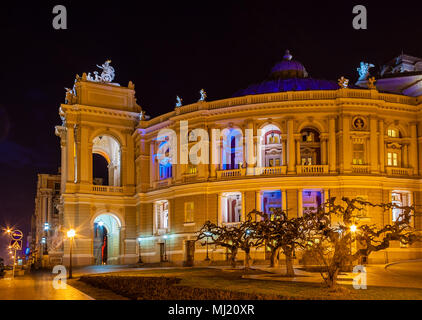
<point>167,49</point>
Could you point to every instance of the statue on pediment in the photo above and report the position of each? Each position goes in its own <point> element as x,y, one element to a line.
<point>364,70</point>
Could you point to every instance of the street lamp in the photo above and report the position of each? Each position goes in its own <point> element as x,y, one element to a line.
<point>165,247</point>
<point>208,234</point>
<point>71,234</point>
<point>353,228</point>
<point>139,253</point>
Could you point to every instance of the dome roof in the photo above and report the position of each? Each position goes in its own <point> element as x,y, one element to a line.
<point>288,75</point>
<point>288,68</point>
<point>283,85</point>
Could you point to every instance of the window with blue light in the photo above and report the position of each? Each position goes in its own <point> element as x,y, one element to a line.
<point>232,150</point>
<point>311,200</point>
<point>165,171</point>
<point>271,201</point>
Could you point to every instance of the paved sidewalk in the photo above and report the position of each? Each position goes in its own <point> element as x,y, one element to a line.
<point>37,286</point>
<point>400,275</point>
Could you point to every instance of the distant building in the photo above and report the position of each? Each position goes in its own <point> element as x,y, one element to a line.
<point>312,139</point>
<point>45,239</point>
<point>402,75</point>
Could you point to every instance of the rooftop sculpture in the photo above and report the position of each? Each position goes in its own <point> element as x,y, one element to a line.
<point>106,76</point>
<point>364,70</point>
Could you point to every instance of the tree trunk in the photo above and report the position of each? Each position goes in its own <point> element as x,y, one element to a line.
<point>247,258</point>
<point>233,254</point>
<point>272,257</point>
<point>290,271</point>
<point>332,277</point>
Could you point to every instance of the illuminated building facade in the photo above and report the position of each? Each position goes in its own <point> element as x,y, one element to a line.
<point>45,239</point>
<point>312,139</point>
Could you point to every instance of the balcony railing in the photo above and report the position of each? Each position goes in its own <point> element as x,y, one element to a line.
<point>271,171</point>
<point>106,189</point>
<point>224,174</point>
<point>162,183</point>
<point>312,169</point>
<point>397,171</point>
<point>360,168</point>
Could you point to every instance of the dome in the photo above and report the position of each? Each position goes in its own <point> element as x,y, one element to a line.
<point>288,68</point>
<point>288,75</point>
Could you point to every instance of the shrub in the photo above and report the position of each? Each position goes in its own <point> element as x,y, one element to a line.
<point>165,288</point>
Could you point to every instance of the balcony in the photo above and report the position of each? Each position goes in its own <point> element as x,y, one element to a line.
<point>106,189</point>
<point>189,177</point>
<point>312,169</point>
<point>228,174</point>
<point>162,183</point>
<point>397,171</point>
<point>361,169</point>
<point>271,171</point>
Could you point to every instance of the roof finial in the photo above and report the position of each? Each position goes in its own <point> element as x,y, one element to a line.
<point>287,55</point>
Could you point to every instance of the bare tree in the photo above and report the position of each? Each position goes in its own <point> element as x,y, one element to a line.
<point>331,243</point>
<point>233,237</point>
<point>279,232</point>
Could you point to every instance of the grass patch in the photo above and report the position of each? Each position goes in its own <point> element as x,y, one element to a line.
<point>212,283</point>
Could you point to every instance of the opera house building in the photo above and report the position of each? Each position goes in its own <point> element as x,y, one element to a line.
<point>289,142</point>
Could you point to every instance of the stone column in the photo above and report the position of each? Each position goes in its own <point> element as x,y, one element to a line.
<point>405,158</point>
<point>332,144</point>
<point>283,200</point>
<point>220,209</point>
<point>251,159</point>
<point>290,147</point>
<point>152,163</point>
<point>300,202</point>
<point>324,150</point>
<point>70,155</point>
<point>213,154</point>
<point>347,145</point>
<point>373,141</point>
<point>258,202</point>
<point>298,162</point>
<point>413,150</point>
<point>244,213</point>
<point>84,150</point>
<point>284,151</point>
<point>381,146</point>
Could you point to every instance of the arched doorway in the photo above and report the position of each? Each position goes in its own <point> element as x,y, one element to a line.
<point>106,239</point>
<point>106,148</point>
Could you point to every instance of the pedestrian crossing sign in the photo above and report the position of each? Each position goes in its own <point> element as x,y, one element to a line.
<point>16,244</point>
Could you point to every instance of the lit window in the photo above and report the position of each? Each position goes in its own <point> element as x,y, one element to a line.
<point>393,133</point>
<point>192,169</point>
<point>358,153</point>
<point>162,214</point>
<point>232,207</point>
<point>400,199</point>
<point>189,211</point>
<point>311,200</point>
<point>392,159</point>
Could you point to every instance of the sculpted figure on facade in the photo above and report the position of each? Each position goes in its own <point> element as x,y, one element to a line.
<point>364,70</point>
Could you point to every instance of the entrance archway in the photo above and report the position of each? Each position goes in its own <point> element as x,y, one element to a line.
<point>106,239</point>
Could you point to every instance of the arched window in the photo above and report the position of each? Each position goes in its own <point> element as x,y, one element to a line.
<point>310,147</point>
<point>396,150</point>
<point>231,207</point>
<point>165,168</point>
<point>393,133</point>
<point>232,149</point>
<point>161,209</point>
<point>271,147</point>
<point>106,161</point>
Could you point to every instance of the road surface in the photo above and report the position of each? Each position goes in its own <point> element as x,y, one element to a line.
<point>37,286</point>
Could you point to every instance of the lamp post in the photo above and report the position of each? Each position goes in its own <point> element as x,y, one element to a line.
<point>139,253</point>
<point>207,234</point>
<point>165,247</point>
<point>70,235</point>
